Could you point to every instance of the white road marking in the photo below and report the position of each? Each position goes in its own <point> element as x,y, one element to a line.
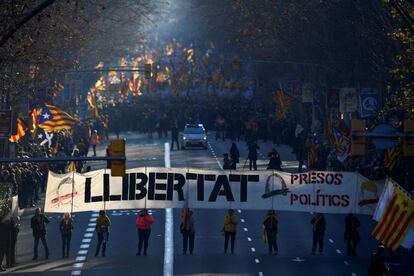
<point>260,273</point>
<point>95,215</point>
<point>354,274</point>
<point>76,272</point>
<point>256,261</point>
<point>253,249</point>
<point>85,246</point>
<point>331,241</point>
<point>91,224</point>
<point>169,224</point>
<point>92,219</point>
<point>245,229</point>
<point>88,235</point>
<point>90,229</point>
<point>80,258</point>
<point>297,259</point>
<point>338,251</point>
<point>346,263</point>
<point>242,220</point>
<point>249,239</point>
<point>82,252</point>
<point>86,240</point>
<point>238,210</point>
<point>78,265</point>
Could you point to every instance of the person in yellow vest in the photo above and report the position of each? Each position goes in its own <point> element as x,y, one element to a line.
<point>229,229</point>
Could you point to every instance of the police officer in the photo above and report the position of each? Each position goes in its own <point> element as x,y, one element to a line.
<point>319,228</point>
<point>351,235</point>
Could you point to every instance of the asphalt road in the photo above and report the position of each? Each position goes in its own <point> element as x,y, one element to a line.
<point>250,256</point>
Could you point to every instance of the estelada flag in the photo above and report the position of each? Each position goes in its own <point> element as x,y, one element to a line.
<point>391,156</point>
<point>396,221</point>
<point>53,119</point>
<point>21,131</point>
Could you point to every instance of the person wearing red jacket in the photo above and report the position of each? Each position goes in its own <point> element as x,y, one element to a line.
<point>143,222</point>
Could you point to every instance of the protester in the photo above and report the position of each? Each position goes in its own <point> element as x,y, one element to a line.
<point>252,155</point>
<point>95,140</point>
<point>377,266</point>
<point>66,229</point>
<point>319,228</point>
<point>144,223</point>
<point>187,230</point>
<point>229,230</point>
<point>5,241</point>
<point>38,225</point>
<point>15,222</point>
<point>351,235</point>
<point>228,164</point>
<point>274,163</point>
<point>270,225</point>
<point>174,136</point>
<point>103,223</point>
<point>234,154</point>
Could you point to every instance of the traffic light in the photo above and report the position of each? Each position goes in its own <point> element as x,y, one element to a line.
<point>147,70</point>
<point>408,139</point>
<point>358,143</point>
<point>118,149</point>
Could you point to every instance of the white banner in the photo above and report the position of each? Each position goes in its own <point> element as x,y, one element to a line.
<point>315,191</point>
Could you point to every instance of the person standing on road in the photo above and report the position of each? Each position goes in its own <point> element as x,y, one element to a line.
<point>66,228</point>
<point>174,136</point>
<point>15,222</point>
<point>188,231</point>
<point>274,163</point>
<point>252,155</point>
<point>319,228</point>
<point>94,141</point>
<point>102,228</point>
<point>234,154</point>
<point>351,235</point>
<point>229,229</point>
<point>143,222</point>
<point>5,241</point>
<point>377,266</point>
<point>38,225</point>
<point>270,225</point>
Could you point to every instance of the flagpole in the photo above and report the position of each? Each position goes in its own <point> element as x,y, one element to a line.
<point>73,188</point>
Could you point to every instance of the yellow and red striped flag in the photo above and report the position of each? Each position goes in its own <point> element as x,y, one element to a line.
<point>53,119</point>
<point>34,114</point>
<point>396,221</point>
<point>21,131</point>
<point>71,166</point>
<point>391,156</point>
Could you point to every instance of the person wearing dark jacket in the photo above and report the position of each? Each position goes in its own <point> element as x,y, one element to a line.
<point>38,225</point>
<point>228,164</point>
<point>319,228</point>
<point>103,224</point>
<point>274,163</point>
<point>187,230</point>
<point>234,153</point>
<point>377,266</point>
<point>351,235</point>
<point>252,155</point>
<point>15,222</point>
<point>66,229</point>
<point>5,241</point>
<point>270,225</point>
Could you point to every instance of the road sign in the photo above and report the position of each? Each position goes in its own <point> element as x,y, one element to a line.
<point>5,123</point>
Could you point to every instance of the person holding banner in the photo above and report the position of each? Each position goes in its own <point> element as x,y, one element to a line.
<point>229,230</point>
<point>143,222</point>
<point>351,235</point>
<point>38,225</point>
<point>187,230</point>
<point>66,228</point>
<point>319,228</point>
<point>270,225</point>
<point>102,228</point>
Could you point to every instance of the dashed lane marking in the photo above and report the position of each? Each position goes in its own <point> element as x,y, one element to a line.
<point>82,252</point>
<point>80,258</point>
<point>88,235</point>
<point>76,272</point>
<point>90,229</point>
<point>346,263</point>
<point>338,251</point>
<point>253,249</point>
<point>85,246</point>
<point>239,211</point>
<point>256,261</point>
<point>260,273</point>
<point>331,241</point>
<point>78,265</point>
<point>242,220</point>
<point>354,274</point>
<point>245,229</point>
<point>86,240</point>
<point>249,239</point>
